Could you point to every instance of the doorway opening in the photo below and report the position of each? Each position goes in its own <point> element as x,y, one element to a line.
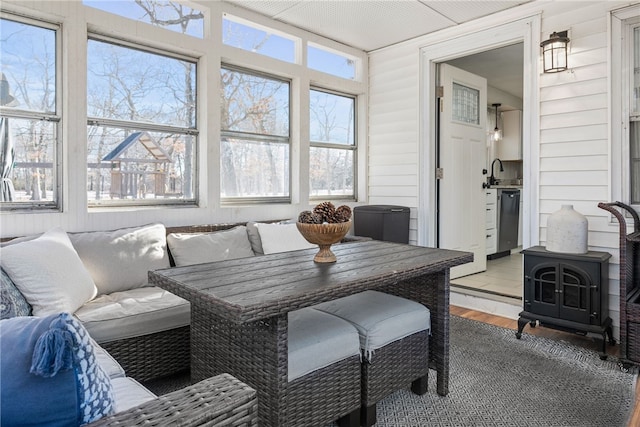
<point>503,69</point>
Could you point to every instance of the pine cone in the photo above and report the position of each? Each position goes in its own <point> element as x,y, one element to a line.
<point>343,213</point>
<point>306,217</point>
<point>316,218</point>
<point>327,211</point>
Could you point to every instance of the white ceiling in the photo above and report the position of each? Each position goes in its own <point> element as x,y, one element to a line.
<point>374,24</point>
<point>503,68</point>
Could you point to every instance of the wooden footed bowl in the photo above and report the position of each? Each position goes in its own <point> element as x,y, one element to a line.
<point>324,235</point>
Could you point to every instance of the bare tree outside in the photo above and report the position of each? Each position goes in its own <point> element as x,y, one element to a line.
<point>255,143</point>
<point>128,88</point>
<point>332,144</point>
<point>28,64</point>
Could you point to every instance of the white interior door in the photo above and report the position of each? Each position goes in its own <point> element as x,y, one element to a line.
<point>462,158</point>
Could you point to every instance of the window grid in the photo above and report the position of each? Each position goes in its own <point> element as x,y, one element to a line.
<point>141,135</point>
<point>255,164</point>
<point>30,140</point>
<point>332,155</point>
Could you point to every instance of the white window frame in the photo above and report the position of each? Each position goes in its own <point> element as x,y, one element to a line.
<point>226,133</point>
<point>152,127</point>
<point>353,148</point>
<point>55,117</point>
<point>622,23</point>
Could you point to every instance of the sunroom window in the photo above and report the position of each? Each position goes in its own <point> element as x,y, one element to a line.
<point>333,146</point>
<point>331,62</point>
<point>142,134</point>
<point>29,115</point>
<point>255,145</point>
<point>252,37</point>
<point>171,15</point>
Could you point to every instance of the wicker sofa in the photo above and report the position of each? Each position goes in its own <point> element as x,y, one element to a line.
<point>53,373</point>
<point>217,401</point>
<point>145,328</point>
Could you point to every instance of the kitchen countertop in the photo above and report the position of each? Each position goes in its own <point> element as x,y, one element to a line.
<point>503,186</point>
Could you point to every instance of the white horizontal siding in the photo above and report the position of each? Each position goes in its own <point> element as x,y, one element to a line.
<point>394,130</point>
<point>574,134</point>
<point>575,148</point>
<point>587,178</point>
<point>577,103</point>
<point>573,143</point>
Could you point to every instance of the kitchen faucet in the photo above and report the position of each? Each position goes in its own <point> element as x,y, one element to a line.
<point>492,178</point>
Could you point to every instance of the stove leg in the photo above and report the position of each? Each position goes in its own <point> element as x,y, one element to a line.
<point>609,332</point>
<point>607,336</point>
<point>521,324</point>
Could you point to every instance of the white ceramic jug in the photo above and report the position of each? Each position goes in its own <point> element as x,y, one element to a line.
<point>567,231</point>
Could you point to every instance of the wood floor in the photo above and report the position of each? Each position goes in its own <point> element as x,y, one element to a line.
<point>549,333</point>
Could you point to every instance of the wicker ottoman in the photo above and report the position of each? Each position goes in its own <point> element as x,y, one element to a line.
<point>323,370</point>
<point>394,339</point>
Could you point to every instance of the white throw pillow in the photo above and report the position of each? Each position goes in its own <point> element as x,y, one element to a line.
<point>281,238</point>
<point>198,248</point>
<point>120,260</point>
<point>49,273</point>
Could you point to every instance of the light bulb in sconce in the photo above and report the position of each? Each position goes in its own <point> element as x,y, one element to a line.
<point>497,133</point>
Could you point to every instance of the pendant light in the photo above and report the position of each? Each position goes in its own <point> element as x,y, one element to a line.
<point>497,133</point>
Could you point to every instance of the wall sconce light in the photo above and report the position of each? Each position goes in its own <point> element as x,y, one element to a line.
<point>554,52</point>
<point>497,133</point>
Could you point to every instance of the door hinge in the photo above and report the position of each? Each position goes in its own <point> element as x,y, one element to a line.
<point>440,91</point>
<point>439,173</point>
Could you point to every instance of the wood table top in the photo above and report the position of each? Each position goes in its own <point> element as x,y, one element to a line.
<point>249,289</point>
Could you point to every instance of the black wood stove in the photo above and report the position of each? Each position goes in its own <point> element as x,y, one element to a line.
<point>569,292</point>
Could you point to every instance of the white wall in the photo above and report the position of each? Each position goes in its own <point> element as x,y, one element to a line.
<point>574,136</point>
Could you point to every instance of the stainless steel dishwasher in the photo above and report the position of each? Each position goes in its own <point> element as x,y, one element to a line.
<point>508,211</point>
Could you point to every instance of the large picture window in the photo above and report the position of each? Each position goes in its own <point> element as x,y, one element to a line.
<point>142,133</point>
<point>255,146</point>
<point>332,138</point>
<point>29,117</point>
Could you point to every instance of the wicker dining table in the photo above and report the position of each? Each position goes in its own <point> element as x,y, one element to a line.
<point>239,307</point>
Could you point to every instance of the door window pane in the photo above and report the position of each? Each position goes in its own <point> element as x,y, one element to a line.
<point>466,102</point>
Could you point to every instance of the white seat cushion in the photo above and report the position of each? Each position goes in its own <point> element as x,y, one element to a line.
<point>133,313</point>
<point>129,393</point>
<point>379,318</point>
<point>107,362</point>
<point>316,340</point>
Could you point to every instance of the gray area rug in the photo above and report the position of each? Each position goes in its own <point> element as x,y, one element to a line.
<point>498,380</point>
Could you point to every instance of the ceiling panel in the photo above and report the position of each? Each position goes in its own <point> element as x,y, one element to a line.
<point>373,24</point>
<point>365,24</point>
<point>268,8</point>
<point>463,11</point>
